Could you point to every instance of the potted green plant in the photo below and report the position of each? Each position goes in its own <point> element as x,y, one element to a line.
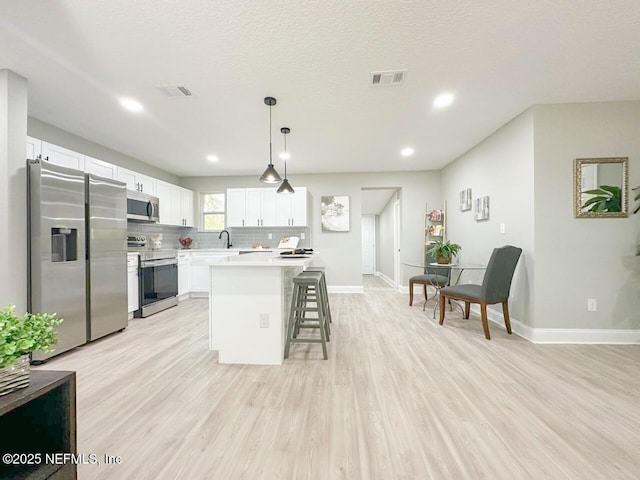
<point>19,336</point>
<point>443,252</point>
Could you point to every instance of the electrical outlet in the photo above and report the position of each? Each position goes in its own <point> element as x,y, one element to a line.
<point>303,236</point>
<point>592,305</point>
<point>270,235</point>
<point>264,320</point>
<point>502,228</point>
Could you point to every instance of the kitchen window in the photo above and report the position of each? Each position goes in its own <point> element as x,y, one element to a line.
<point>213,212</point>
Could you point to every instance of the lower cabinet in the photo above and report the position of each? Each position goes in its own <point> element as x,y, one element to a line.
<point>132,283</point>
<point>184,274</point>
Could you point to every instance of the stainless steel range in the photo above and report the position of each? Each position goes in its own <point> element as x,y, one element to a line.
<point>158,281</point>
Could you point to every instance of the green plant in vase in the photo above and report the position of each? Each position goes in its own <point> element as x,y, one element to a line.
<point>22,335</point>
<point>443,252</point>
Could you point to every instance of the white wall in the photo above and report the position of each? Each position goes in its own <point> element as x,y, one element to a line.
<point>13,190</point>
<point>502,167</point>
<point>584,258</point>
<point>341,253</point>
<point>51,134</point>
<point>386,262</point>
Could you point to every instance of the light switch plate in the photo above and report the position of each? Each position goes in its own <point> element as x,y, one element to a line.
<point>270,236</point>
<point>264,320</point>
<point>303,236</point>
<point>502,228</point>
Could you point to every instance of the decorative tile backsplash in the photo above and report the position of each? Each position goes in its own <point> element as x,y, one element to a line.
<point>241,237</point>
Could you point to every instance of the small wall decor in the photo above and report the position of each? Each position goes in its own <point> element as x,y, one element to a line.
<point>465,200</point>
<point>334,213</point>
<point>600,187</point>
<point>482,208</point>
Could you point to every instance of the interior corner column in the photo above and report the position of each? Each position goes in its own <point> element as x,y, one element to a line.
<point>13,190</point>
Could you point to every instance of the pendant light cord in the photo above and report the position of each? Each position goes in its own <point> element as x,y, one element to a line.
<point>285,155</point>
<point>270,141</point>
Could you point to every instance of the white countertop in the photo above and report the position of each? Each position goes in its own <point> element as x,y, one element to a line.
<point>255,259</point>
<point>223,250</point>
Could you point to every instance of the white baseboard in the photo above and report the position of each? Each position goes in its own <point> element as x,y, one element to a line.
<point>564,335</point>
<point>385,278</point>
<point>345,289</point>
<point>199,294</point>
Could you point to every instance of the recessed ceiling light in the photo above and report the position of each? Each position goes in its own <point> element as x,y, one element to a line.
<point>285,156</point>
<point>132,105</point>
<point>406,152</point>
<point>212,158</point>
<point>444,100</point>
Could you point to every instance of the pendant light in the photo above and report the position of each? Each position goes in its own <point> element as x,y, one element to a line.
<point>285,187</point>
<point>270,175</point>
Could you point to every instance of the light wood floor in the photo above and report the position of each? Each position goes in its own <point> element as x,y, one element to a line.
<point>399,398</point>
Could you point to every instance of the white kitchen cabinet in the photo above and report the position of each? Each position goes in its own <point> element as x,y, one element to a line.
<point>137,182</point>
<point>236,207</point>
<point>132,283</point>
<point>300,208</point>
<point>187,207</point>
<point>34,148</point>
<point>176,204</point>
<point>62,156</point>
<point>263,207</point>
<point>100,168</point>
<point>184,273</point>
<point>292,210</point>
<point>163,192</point>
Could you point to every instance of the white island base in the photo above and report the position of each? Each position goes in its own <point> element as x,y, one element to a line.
<point>249,301</point>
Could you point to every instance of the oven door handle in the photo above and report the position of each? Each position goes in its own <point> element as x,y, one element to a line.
<point>158,263</point>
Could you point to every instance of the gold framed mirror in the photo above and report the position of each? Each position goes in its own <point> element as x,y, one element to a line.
<point>600,187</point>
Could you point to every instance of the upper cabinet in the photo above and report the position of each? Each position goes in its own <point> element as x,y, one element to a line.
<point>34,148</point>
<point>263,207</point>
<point>137,182</point>
<point>236,207</point>
<point>176,204</point>
<point>62,156</point>
<point>100,168</point>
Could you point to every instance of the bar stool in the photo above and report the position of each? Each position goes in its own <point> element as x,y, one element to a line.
<point>307,290</point>
<point>323,286</point>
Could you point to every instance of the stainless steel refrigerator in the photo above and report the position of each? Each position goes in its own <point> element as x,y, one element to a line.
<point>77,252</point>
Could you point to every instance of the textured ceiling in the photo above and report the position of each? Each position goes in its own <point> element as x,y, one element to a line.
<point>497,56</point>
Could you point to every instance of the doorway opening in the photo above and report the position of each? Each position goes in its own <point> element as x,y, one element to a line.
<point>380,238</point>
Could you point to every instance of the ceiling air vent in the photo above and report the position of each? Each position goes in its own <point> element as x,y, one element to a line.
<point>388,78</point>
<point>174,90</point>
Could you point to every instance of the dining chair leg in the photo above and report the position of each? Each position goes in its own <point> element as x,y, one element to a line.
<point>424,290</point>
<point>410,292</point>
<point>485,324</point>
<point>467,309</point>
<point>505,313</point>
<point>442,301</point>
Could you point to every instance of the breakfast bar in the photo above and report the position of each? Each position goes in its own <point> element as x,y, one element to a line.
<point>249,300</point>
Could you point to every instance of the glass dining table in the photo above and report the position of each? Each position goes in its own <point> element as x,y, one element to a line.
<point>459,268</point>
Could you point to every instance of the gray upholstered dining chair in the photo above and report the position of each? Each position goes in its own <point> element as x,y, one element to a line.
<point>433,276</point>
<point>494,289</point>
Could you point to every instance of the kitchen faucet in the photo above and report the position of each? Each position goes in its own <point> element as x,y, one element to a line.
<point>229,245</point>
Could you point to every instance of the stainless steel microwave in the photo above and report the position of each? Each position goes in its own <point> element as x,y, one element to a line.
<point>142,207</point>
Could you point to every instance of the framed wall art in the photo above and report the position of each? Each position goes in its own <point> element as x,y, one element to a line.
<point>482,208</point>
<point>465,200</point>
<point>334,213</point>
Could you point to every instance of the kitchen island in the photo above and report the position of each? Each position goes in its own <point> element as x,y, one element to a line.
<point>249,300</point>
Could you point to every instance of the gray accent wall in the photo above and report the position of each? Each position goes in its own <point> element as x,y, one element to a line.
<point>341,253</point>
<point>527,169</point>
<point>57,136</point>
<point>502,167</point>
<point>580,258</point>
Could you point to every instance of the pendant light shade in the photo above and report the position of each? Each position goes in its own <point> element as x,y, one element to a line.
<point>285,187</point>
<point>270,175</point>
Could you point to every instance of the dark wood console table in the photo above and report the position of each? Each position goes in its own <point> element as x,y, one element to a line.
<point>39,421</point>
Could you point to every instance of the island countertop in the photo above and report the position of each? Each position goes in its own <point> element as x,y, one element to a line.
<point>255,259</point>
